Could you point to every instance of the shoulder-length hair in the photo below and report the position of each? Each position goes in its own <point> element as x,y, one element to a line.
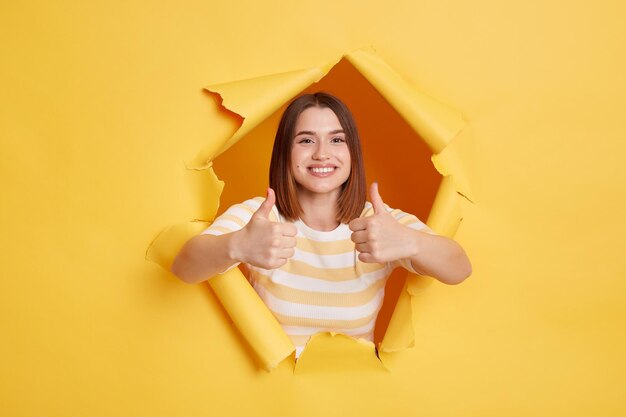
<point>352,198</point>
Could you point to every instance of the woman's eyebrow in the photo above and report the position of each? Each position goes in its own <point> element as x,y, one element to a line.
<point>310,132</point>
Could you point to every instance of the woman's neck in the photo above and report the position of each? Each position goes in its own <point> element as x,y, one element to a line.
<point>319,211</point>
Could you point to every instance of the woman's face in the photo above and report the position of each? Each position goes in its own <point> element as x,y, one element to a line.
<point>320,158</point>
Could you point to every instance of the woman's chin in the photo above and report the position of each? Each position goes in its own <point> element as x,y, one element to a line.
<point>319,189</point>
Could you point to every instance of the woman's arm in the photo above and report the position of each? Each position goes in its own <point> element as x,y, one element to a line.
<point>438,257</point>
<point>204,256</point>
<point>261,242</point>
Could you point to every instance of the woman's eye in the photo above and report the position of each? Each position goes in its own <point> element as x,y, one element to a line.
<point>338,140</point>
<point>306,140</point>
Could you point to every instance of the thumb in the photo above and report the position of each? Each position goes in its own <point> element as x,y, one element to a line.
<point>266,206</point>
<point>377,201</point>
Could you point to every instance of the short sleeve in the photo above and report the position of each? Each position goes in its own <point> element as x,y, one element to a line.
<point>411,221</point>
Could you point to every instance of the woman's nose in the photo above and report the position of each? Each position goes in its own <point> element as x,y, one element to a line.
<point>321,152</point>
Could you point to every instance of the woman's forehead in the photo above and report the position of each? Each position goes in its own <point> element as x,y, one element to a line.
<point>318,119</point>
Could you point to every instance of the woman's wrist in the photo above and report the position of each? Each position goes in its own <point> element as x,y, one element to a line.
<point>414,243</point>
<point>417,242</point>
<point>234,245</point>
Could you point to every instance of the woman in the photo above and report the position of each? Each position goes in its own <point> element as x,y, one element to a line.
<point>318,253</point>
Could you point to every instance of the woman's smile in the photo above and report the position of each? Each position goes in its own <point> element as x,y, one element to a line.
<point>322,171</point>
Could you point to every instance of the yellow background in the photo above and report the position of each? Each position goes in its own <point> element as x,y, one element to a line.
<point>102,104</point>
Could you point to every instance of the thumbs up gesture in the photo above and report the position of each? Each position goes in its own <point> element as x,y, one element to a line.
<point>380,238</point>
<point>264,243</point>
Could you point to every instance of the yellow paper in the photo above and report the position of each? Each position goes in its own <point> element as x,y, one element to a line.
<point>445,215</point>
<point>103,102</point>
<point>337,353</point>
<point>255,99</point>
<point>252,318</point>
<point>165,247</point>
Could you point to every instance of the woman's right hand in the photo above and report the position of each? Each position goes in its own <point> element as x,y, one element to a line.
<point>264,243</point>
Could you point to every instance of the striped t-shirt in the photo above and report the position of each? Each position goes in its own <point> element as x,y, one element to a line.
<point>324,286</point>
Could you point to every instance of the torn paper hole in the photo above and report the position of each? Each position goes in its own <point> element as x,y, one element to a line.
<point>391,158</point>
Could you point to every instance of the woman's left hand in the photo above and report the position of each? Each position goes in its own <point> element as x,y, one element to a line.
<point>380,238</point>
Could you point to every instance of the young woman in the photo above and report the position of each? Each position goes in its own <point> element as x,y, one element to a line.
<point>317,253</point>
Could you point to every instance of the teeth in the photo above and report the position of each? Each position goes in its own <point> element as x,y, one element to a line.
<point>322,170</point>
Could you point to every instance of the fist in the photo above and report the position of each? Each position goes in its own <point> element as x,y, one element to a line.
<point>264,243</point>
<point>380,238</point>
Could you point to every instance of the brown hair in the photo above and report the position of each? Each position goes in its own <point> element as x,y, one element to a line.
<point>352,198</point>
